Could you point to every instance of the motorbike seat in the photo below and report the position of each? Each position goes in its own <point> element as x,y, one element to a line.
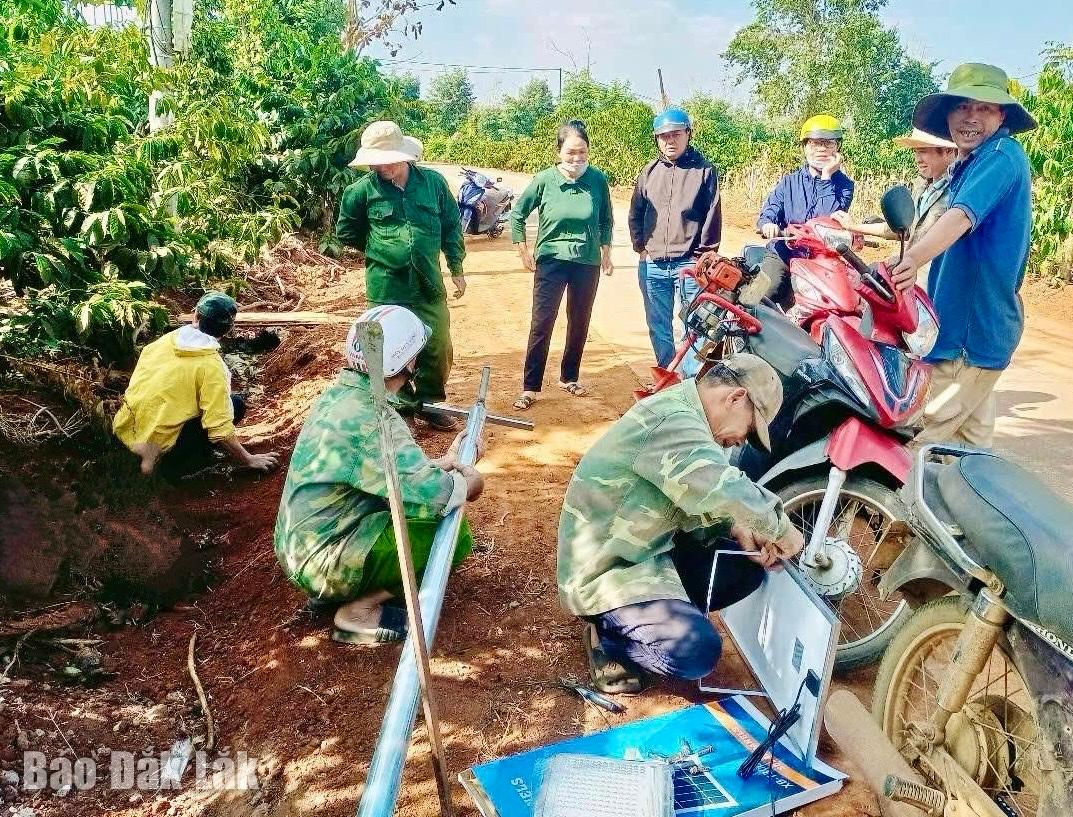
<point>782,343</point>
<point>1018,528</point>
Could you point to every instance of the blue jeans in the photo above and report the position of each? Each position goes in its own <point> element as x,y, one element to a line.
<point>664,292</point>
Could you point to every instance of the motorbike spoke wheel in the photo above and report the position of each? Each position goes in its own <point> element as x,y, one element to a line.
<point>862,517</point>
<point>995,737</point>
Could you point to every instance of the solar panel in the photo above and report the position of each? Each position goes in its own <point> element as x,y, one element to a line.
<point>698,792</point>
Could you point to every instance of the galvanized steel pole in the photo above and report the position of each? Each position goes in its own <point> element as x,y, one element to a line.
<point>385,770</point>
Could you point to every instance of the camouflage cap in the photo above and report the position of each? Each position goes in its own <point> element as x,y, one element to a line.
<point>764,387</point>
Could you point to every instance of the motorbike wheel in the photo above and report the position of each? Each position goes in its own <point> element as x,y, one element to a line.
<point>996,736</point>
<point>864,512</point>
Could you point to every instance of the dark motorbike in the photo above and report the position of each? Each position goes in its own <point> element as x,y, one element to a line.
<point>976,689</point>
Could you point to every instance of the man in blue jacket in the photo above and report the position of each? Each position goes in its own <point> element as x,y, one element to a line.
<point>817,188</point>
<point>980,246</point>
<point>674,214</point>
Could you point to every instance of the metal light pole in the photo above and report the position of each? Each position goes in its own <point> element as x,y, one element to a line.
<point>381,790</point>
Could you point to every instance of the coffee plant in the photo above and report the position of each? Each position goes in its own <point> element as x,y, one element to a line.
<point>98,216</point>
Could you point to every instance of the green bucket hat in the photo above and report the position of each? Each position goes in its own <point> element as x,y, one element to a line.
<point>977,81</point>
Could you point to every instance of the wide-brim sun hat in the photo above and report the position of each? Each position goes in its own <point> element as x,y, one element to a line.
<point>921,139</point>
<point>414,146</point>
<point>976,81</point>
<point>383,143</point>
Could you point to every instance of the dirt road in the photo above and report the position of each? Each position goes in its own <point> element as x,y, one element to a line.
<point>1035,395</point>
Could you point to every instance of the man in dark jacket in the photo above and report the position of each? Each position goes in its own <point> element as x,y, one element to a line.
<point>817,188</point>
<point>675,213</point>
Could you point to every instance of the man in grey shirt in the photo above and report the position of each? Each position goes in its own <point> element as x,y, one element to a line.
<point>675,212</point>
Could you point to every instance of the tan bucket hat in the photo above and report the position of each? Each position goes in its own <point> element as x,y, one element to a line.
<point>922,139</point>
<point>383,143</point>
<point>764,387</point>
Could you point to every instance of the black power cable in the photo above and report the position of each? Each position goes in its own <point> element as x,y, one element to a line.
<point>779,727</point>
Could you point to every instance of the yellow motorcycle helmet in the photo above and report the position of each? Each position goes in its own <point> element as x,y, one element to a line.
<point>821,126</point>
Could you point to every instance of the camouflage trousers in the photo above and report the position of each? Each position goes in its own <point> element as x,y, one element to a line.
<point>348,570</point>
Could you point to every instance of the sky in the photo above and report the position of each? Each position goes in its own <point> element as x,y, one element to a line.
<point>629,39</point>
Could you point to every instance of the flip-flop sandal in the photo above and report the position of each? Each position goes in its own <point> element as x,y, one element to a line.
<point>608,675</point>
<point>575,389</point>
<point>523,403</point>
<point>391,629</point>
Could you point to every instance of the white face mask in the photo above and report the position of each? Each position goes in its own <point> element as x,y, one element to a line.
<point>574,169</point>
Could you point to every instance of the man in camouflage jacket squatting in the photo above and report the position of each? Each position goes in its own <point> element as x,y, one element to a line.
<point>333,535</point>
<point>646,508</point>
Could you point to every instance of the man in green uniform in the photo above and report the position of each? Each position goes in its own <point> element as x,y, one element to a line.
<point>333,535</point>
<point>402,216</point>
<point>646,508</point>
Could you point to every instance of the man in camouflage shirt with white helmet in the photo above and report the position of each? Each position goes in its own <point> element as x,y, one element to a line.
<point>647,506</point>
<point>333,535</point>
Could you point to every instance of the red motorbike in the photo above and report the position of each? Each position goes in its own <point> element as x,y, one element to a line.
<point>854,385</point>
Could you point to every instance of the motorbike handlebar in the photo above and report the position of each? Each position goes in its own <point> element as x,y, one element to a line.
<point>867,275</point>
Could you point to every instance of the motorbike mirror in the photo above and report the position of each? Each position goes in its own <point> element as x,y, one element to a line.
<point>499,178</point>
<point>754,255</point>
<point>898,209</point>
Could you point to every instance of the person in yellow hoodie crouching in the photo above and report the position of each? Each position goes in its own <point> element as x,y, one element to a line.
<point>178,408</point>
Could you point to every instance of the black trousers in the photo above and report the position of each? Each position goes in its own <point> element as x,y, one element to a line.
<point>194,450</point>
<point>553,277</point>
<point>777,266</point>
<point>675,638</point>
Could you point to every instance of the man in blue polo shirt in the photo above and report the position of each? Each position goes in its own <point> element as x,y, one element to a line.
<point>981,248</point>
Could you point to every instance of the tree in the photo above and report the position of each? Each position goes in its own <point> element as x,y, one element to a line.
<point>812,56</point>
<point>729,138</point>
<point>451,98</point>
<point>370,21</point>
<point>533,103</point>
<point>409,87</point>
<point>1050,150</point>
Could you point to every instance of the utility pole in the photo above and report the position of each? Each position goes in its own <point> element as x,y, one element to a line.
<point>167,29</point>
<point>662,91</point>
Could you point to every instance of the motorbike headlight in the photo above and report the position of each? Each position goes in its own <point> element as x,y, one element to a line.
<point>840,361</point>
<point>922,340</point>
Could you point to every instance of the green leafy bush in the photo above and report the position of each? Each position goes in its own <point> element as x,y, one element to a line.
<point>98,216</point>
<point>1050,150</point>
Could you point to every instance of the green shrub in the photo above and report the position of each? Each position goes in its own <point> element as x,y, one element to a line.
<point>1050,150</point>
<point>97,216</point>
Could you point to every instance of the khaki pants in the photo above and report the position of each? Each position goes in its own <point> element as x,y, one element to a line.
<point>961,405</point>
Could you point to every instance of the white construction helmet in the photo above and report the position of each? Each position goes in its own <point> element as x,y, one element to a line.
<point>404,336</point>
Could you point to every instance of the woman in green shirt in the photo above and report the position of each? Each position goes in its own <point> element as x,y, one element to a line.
<point>573,243</point>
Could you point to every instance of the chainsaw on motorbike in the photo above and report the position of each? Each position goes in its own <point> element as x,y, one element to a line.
<point>854,386</point>
<point>975,692</point>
